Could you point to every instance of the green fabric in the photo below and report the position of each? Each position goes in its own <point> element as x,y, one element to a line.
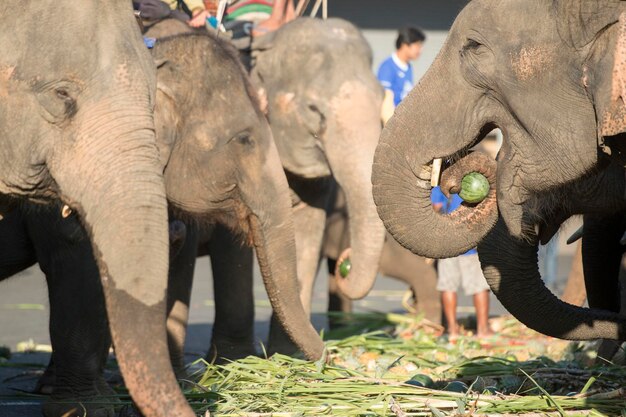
<point>253,8</point>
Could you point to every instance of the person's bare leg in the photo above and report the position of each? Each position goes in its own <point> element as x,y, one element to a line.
<point>276,19</point>
<point>449,300</point>
<point>481,303</point>
<point>290,11</point>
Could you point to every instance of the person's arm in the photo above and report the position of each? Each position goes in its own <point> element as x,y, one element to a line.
<point>388,106</point>
<point>386,78</point>
<point>198,12</point>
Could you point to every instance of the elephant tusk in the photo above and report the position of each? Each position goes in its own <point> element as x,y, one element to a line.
<point>66,211</point>
<point>436,172</point>
<point>577,235</point>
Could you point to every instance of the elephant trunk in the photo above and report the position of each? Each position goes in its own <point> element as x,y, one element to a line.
<point>420,131</point>
<point>356,129</point>
<point>272,232</point>
<point>510,267</point>
<point>118,192</point>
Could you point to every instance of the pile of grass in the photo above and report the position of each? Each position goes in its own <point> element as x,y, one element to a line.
<point>367,375</point>
<point>374,363</point>
<point>285,386</point>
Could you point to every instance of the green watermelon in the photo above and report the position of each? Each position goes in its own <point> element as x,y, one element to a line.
<point>420,380</point>
<point>456,386</point>
<point>344,267</point>
<point>474,188</point>
<point>490,390</point>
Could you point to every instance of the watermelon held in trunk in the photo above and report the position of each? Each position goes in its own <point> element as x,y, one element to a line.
<point>345,267</point>
<point>474,188</point>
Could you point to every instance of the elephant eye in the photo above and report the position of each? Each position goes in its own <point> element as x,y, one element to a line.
<point>62,93</point>
<point>58,99</point>
<point>471,44</point>
<point>243,138</point>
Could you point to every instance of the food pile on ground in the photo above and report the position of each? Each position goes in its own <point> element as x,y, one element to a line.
<point>406,369</point>
<point>400,365</point>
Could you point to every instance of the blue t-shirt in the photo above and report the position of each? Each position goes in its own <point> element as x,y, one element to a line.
<point>449,205</point>
<point>396,76</point>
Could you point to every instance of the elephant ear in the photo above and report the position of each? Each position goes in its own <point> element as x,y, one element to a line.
<point>580,21</point>
<point>613,116</point>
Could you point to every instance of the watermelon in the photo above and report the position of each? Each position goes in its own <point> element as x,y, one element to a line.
<point>344,267</point>
<point>456,386</point>
<point>420,380</point>
<point>474,188</point>
<point>490,390</point>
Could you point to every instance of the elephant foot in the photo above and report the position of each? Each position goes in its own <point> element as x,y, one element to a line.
<point>98,402</point>
<point>279,342</point>
<point>85,407</point>
<point>225,350</point>
<point>130,411</point>
<point>607,351</point>
<point>46,383</point>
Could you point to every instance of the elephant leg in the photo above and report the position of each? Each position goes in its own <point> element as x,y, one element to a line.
<point>400,263</point>
<point>78,325</point>
<point>309,217</point>
<point>574,292</point>
<point>16,247</point>
<point>232,265</point>
<point>602,261</point>
<point>183,249</point>
<point>337,302</point>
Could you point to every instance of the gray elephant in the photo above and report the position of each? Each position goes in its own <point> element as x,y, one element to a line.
<point>214,162</point>
<point>76,124</point>
<point>549,85</point>
<point>324,109</point>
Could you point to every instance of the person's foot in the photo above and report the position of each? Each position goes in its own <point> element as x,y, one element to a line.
<point>266,26</point>
<point>453,333</point>
<point>484,332</point>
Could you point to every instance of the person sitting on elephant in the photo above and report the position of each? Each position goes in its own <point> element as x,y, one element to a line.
<point>283,12</point>
<point>396,73</point>
<point>462,270</point>
<point>192,12</point>
<point>194,9</point>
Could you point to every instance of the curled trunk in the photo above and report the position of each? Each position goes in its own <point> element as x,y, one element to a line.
<point>419,132</point>
<point>350,155</point>
<point>510,267</point>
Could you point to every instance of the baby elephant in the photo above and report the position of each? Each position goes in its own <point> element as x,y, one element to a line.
<point>219,164</point>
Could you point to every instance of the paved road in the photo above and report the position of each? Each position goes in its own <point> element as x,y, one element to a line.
<point>24,315</point>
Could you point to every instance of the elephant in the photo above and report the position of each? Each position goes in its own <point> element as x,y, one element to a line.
<point>76,125</point>
<point>316,125</point>
<point>324,109</point>
<point>550,86</point>
<point>213,163</point>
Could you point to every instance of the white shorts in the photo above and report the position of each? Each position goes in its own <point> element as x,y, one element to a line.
<point>462,270</point>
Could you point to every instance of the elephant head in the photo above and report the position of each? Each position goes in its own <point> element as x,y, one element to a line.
<point>545,83</point>
<point>77,89</point>
<point>324,108</point>
<point>221,163</point>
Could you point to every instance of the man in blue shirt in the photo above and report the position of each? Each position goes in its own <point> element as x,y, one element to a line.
<point>463,270</point>
<point>396,73</point>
